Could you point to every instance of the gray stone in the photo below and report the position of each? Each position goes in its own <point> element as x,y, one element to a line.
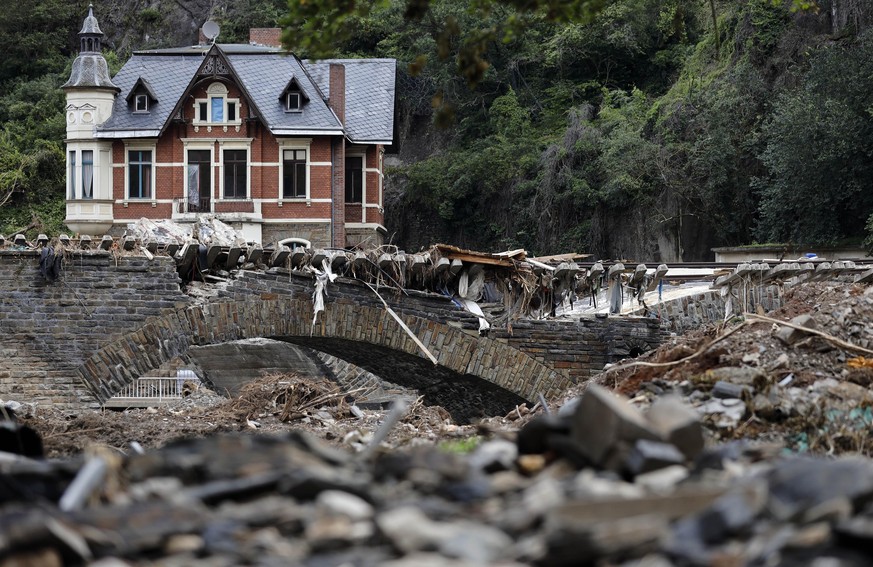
<point>648,456</point>
<point>340,503</point>
<point>410,530</point>
<point>493,456</point>
<point>602,419</point>
<point>662,480</point>
<point>677,423</point>
<point>723,389</point>
<point>477,543</point>
<point>796,485</point>
<point>725,413</point>
<point>735,374</point>
<point>789,335</point>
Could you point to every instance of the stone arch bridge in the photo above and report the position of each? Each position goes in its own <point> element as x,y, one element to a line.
<point>110,318</point>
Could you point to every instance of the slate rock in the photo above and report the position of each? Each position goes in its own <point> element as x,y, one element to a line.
<point>723,389</point>
<point>602,419</point>
<point>648,456</point>
<point>537,435</point>
<point>797,485</point>
<point>678,424</point>
<point>790,335</point>
<point>493,456</point>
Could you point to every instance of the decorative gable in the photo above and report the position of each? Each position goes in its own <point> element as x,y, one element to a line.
<point>293,98</point>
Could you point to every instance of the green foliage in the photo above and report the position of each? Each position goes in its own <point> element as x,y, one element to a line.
<point>818,144</point>
<point>460,446</point>
<point>237,17</point>
<point>37,36</point>
<point>318,26</point>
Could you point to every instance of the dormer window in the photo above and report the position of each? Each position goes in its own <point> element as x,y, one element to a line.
<point>293,98</point>
<point>141,97</point>
<point>217,108</point>
<point>292,102</point>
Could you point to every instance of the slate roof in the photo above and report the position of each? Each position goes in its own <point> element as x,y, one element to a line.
<point>89,71</point>
<point>168,75</point>
<point>90,24</point>
<point>369,96</point>
<point>264,74</point>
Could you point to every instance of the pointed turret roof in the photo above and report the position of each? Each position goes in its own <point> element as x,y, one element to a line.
<point>90,24</point>
<point>90,69</point>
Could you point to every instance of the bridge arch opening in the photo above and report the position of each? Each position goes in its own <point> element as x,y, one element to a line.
<point>229,366</point>
<point>474,376</point>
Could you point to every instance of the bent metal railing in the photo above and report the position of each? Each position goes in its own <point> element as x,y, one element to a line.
<point>148,391</point>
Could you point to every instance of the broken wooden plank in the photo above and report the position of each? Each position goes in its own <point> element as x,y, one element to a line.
<point>568,257</point>
<point>481,259</point>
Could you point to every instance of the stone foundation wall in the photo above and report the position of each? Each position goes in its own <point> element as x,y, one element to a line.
<point>692,311</point>
<point>48,329</point>
<point>316,233</point>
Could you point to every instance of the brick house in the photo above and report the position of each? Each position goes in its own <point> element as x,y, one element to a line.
<point>273,145</point>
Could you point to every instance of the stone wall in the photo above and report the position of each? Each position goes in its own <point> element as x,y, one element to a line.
<point>112,317</point>
<point>49,329</point>
<point>692,311</point>
<point>576,349</point>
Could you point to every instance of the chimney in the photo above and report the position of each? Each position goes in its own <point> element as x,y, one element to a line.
<point>202,39</point>
<point>270,37</point>
<point>337,102</point>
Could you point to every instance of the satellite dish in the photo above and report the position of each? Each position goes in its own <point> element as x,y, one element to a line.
<point>210,30</point>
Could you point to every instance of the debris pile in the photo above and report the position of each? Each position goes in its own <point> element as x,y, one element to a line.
<point>639,490</point>
<point>798,376</point>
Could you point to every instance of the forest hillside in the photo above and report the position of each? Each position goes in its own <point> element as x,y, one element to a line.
<point>655,130</point>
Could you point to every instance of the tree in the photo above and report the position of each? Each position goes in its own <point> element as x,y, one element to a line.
<point>317,27</point>
<point>819,141</point>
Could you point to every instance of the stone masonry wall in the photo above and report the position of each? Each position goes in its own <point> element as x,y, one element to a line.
<point>576,349</point>
<point>692,311</point>
<point>47,330</point>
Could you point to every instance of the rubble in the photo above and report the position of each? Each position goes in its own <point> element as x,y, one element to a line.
<point>723,447</point>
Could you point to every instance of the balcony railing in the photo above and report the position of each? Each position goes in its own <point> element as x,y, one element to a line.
<point>202,205</point>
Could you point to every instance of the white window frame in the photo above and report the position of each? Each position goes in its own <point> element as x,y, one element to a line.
<point>299,106</point>
<point>140,147</point>
<point>201,146</point>
<point>136,105</point>
<point>234,145</point>
<point>297,144</point>
<point>216,90</point>
<point>72,172</point>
